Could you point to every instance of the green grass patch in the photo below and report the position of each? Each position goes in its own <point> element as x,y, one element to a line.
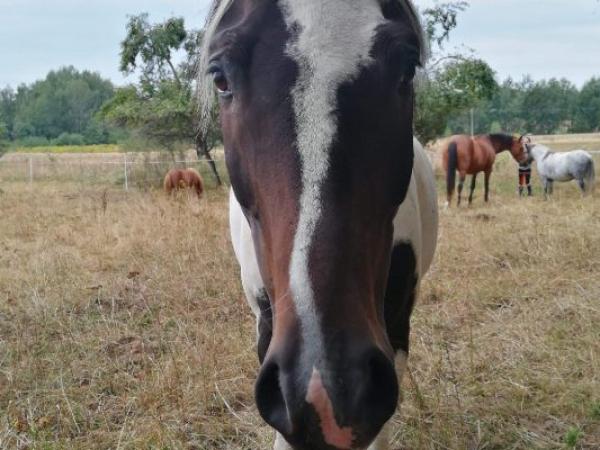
<point>60,149</point>
<point>572,437</point>
<point>595,411</point>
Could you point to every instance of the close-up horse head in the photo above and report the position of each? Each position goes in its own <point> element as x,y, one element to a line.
<point>316,108</point>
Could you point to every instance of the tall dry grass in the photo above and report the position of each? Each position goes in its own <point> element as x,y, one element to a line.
<point>122,325</point>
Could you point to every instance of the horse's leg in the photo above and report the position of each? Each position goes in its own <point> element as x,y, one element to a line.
<point>581,184</point>
<point>545,185</point>
<point>488,174</point>
<point>461,185</point>
<point>473,181</point>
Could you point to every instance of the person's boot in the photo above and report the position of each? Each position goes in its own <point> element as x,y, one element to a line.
<point>520,191</point>
<point>529,191</point>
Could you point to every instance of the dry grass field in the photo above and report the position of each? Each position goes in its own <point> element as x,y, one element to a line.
<point>122,324</point>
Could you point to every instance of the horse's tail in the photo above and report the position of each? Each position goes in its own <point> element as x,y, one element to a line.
<point>451,170</point>
<point>590,177</point>
<point>167,184</point>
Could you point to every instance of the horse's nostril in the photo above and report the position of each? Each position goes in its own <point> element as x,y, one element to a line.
<point>380,395</point>
<point>270,399</point>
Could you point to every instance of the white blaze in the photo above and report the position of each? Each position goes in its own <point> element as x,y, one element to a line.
<point>332,46</point>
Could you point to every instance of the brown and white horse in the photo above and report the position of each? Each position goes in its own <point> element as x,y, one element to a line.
<point>183,179</point>
<point>471,155</point>
<point>333,210</point>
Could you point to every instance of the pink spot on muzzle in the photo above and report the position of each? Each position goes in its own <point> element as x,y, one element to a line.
<point>317,396</point>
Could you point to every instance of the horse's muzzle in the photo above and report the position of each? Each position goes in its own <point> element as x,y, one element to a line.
<point>341,405</point>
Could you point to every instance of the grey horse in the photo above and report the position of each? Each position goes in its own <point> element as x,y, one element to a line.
<point>563,166</point>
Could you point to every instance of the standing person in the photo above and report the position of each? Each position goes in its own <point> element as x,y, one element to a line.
<point>525,178</point>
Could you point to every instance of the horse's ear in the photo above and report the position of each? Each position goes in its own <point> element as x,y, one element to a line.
<point>525,138</point>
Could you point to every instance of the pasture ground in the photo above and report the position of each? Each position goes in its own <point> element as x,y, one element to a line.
<point>123,326</point>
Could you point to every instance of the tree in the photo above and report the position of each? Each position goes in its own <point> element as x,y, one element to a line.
<point>154,46</point>
<point>440,96</point>
<point>163,105</point>
<point>441,19</point>
<point>587,108</point>
<point>64,102</point>
<point>548,106</point>
<point>505,109</point>
<point>451,83</point>
<point>3,138</point>
<point>7,110</point>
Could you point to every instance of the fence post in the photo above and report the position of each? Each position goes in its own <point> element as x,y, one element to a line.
<point>472,122</point>
<point>125,169</point>
<point>30,170</point>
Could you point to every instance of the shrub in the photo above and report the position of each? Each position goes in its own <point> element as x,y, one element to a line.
<point>69,139</point>
<point>32,141</point>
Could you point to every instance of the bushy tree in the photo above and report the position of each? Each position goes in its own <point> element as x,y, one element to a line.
<point>151,47</point>
<point>451,83</point>
<point>3,138</point>
<point>64,102</point>
<point>446,93</point>
<point>548,106</point>
<point>7,110</point>
<point>162,105</point>
<point>587,108</point>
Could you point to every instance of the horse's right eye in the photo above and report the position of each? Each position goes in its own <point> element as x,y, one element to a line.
<point>220,81</point>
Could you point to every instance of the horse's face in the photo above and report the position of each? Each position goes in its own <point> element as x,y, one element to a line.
<point>519,149</point>
<point>316,106</point>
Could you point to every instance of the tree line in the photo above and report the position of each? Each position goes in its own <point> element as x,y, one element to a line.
<point>538,107</point>
<point>60,109</point>
<point>80,107</point>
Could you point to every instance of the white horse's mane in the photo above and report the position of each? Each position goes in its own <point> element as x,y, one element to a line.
<point>205,91</point>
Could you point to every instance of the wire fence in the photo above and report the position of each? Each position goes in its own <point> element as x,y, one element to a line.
<point>129,171</point>
<point>147,170</point>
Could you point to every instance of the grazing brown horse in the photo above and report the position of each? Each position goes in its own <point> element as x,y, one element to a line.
<point>471,155</point>
<point>183,179</point>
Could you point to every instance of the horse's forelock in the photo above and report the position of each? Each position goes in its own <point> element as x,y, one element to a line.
<point>414,22</point>
<point>206,94</point>
<point>205,89</point>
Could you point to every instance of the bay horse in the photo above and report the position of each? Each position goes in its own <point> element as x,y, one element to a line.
<point>333,208</point>
<point>564,166</point>
<point>471,155</point>
<point>177,179</point>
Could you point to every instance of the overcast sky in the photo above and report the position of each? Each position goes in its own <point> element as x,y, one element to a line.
<point>543,38</point>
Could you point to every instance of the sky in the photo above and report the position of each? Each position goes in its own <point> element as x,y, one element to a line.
<point>541,38</point>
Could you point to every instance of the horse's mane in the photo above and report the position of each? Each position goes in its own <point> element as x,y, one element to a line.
<point>506,140</point>
<point>206,94</point>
